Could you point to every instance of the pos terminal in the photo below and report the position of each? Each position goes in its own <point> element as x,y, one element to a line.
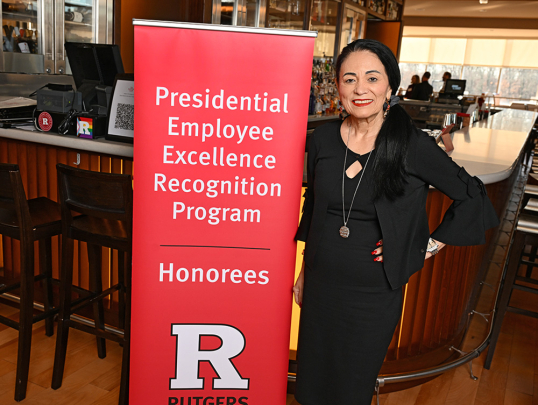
<point>82,112</point>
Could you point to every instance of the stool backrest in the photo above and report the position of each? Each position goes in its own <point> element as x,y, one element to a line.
<point>13,201</point>
<point>102,195</point>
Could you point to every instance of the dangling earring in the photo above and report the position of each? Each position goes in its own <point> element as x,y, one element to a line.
<point>387,110</point>
<point>343,113</point>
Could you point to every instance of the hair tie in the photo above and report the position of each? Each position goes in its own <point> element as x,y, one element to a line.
<point>394,100</point>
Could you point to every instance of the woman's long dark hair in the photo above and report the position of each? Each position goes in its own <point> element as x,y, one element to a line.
<point>393,139</point>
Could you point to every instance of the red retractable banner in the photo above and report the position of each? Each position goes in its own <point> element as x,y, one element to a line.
<point>219,145</point>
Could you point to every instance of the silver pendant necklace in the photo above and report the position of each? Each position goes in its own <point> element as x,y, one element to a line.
<point>344,230</point>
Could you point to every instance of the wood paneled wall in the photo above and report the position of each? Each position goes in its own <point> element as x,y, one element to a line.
<point>387,32</point>
<point>37,164</point>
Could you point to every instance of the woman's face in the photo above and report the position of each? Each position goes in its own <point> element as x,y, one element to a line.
<point>415,79</point>
<point>363,85</point>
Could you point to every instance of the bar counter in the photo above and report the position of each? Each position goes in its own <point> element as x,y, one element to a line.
<point>437,299</point>
<point>488,149</point>
<point>99,145</point>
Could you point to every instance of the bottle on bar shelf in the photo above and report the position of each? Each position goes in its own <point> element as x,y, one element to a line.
<point>323,87</point>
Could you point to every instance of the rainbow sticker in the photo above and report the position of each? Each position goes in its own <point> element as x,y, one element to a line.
<point>85,127</point>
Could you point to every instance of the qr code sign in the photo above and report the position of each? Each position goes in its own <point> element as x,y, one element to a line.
<point>125,117</point>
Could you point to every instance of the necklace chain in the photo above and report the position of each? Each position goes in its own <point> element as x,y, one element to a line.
<point>344,231</point>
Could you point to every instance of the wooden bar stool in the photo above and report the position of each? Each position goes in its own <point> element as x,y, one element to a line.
<point>530,204</point>
<point>105,202</point>
<point>32,220</point>
<point>526,234</point>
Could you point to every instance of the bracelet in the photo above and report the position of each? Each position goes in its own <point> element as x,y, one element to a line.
<point>433,247</point>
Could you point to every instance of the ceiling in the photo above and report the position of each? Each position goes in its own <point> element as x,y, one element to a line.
<point>471,8</point>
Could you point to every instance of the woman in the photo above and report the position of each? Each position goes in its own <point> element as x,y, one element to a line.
<point>365,227</point>
<point>414,81</point>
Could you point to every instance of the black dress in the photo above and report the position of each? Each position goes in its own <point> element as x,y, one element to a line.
<point>349,310</point>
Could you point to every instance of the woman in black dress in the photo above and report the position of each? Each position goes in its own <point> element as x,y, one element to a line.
<point>365,227</point>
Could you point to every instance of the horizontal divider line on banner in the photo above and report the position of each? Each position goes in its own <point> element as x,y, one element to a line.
<point>217,247</point>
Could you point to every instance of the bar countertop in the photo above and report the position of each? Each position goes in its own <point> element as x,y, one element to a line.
<point>488,149</point>
<point>99,145</point>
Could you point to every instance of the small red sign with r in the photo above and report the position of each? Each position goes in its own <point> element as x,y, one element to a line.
<point>45,121</point>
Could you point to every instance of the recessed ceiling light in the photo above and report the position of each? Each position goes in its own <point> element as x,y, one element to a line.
<point>483,1</point>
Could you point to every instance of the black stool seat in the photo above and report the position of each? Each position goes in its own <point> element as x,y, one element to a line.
<point>104,204</point>
<point>45,218</point>
<point>528,220</point>
<point>38,219</point>
<point>531,189</point>
<point>526,234</point>
<point>111,233</point>
<point>531,205</point>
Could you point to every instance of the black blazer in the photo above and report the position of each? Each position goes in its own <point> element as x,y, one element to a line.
<point>404,223</point>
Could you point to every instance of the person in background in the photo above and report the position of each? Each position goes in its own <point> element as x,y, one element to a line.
<point>424,90</point>
<point>446,76</point>
<point>481,106</point>
<point>414,81</point>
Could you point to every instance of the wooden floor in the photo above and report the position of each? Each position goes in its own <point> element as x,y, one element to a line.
<point>88,380</point>
<point>512,379</point>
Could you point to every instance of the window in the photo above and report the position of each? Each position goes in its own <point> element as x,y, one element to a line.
<point>489,52</point>
<point>437,71</point>
<point>481,79</point>
<point>447,51</point>
<point>415,49</point>
<point>408,70</point>
<point>521,53</point>
<point>507,68</point>
<point>518,83</point>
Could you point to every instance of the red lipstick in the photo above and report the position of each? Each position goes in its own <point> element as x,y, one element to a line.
<point>362,103</point>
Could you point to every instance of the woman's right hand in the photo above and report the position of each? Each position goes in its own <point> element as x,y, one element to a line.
<point>298,288</point>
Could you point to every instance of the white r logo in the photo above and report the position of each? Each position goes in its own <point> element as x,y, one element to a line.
<point>84,127</point>
<point>45,121</point>
<point>189,355</point>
